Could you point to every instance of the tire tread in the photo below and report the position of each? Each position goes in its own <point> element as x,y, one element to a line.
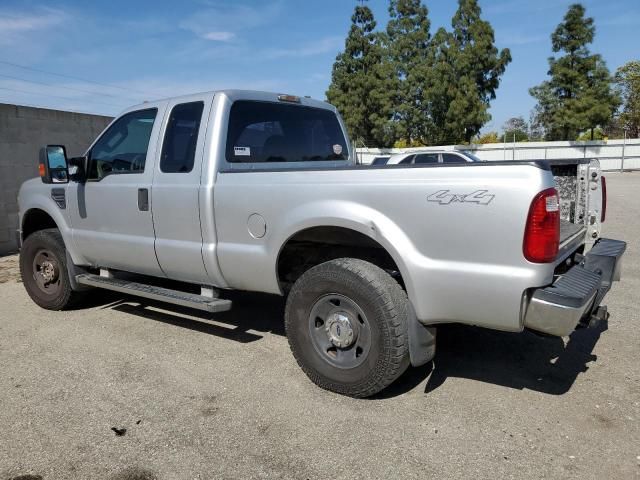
<point>392,308</point>
<point>52,238</point>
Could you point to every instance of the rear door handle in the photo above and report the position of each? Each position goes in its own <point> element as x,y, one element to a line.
<point>143,199</point>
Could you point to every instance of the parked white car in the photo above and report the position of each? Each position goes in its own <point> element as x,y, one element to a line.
<point>449,156</point>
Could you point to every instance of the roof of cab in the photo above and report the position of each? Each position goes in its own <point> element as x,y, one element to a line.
<point>235,94</point>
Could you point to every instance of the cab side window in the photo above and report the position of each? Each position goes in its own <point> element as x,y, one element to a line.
<point>122,148</point>
<point>181,138</point>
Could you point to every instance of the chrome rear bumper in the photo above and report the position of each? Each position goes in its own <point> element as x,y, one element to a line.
<point>574,296</point>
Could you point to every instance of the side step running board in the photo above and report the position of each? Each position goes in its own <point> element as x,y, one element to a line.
<point>166,295</point>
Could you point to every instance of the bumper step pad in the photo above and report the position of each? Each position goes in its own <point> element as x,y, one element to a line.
<point>558,308</point>
<point>573,289</point>
<point>603,259</point>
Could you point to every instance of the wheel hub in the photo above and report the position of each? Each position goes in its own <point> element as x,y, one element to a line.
<point>48,271</point>
<point>340,329</point>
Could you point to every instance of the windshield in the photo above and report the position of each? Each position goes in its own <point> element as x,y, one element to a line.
<point>275,132</point>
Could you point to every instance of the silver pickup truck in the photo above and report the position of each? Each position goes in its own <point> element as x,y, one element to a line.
<point>259,191</point>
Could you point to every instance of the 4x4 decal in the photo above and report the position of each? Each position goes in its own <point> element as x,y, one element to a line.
<point>444,197</point>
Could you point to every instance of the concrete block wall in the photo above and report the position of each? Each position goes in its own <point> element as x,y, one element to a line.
<point>23,130</point>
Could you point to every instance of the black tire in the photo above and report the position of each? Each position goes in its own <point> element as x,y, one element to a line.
<point>380,308</point>
<point>46,245</point>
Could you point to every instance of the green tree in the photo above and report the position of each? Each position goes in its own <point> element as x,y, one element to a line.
<point>578,94</point>
<point>407,41</point>
<point>627,80</point>
<point>595,134</point>
<point>489,137</point>
<point>465,71</point>
<point>363,82</point>
<point>536,126</point>
<point>515,129</point>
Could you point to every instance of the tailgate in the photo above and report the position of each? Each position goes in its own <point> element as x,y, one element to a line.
<point>578,185</point>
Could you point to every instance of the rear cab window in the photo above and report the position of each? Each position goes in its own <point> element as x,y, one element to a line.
<point>266,132</point>
<point>181,138</point>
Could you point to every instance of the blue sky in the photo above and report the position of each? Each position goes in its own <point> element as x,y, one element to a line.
<point>148,49</point>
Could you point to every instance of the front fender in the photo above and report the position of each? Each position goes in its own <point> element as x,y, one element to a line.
<point>34,195</point>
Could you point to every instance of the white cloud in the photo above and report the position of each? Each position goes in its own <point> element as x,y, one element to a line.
<point>13,21</point>
<point>231,19</point>
<point>317,47</point>
<point>14,24</point>
<point>219,36</point>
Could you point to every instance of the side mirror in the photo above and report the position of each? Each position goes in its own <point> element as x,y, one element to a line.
<point>53,167</point>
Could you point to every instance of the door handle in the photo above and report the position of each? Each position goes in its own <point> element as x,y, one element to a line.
<point>143,199</point>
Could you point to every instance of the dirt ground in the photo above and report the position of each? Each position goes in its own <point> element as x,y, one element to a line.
<point>220,396</point>
<point>9,269</point>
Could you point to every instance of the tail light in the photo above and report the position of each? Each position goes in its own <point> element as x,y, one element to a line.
<point>542,232</point>
<point>603,187</point>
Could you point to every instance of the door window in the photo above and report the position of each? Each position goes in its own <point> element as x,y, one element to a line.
<point>181,138</point>
<point>426,158</point>
<point>452,158</point>
<point>407,160</point>
<point>123,147</point>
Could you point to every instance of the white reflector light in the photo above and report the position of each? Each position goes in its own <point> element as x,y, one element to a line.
<point>552,203</point>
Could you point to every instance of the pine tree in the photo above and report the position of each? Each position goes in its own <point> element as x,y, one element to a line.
<point>465,74</point>
<point>578,95</point>
<point>362,83</point>
<point>439,89</point>
<point>407,42</point>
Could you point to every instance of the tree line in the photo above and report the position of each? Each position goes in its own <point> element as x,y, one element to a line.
<point>402,86</point>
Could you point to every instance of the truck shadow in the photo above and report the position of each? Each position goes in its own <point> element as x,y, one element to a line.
<point>251,311</point>
<point>515,360</point>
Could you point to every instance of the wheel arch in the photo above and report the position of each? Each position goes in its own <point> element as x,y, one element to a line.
<point>36,219</point>
<point>42,213</point>
<point>325,241</point>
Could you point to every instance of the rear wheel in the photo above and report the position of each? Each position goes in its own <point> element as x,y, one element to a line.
<point>346,321</point>
<point>43,266</point>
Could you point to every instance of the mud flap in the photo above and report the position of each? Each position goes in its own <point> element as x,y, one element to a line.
<point>422,340</point>
<point>73,271</point>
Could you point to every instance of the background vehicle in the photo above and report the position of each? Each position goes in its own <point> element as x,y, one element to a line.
<point>380,160</point>
<point>258,191</point>
<point>448,156</point>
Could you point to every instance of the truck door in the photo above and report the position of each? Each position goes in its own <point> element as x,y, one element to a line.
<point>176,188</point>
<point>110,212</point>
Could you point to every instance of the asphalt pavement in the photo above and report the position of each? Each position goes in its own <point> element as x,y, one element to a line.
<point>118,390</point>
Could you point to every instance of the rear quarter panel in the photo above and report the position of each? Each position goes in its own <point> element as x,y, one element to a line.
<point>461,261</point>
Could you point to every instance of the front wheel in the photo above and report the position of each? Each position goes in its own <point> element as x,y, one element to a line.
<point>346,322</point>
<point>43,266</point>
